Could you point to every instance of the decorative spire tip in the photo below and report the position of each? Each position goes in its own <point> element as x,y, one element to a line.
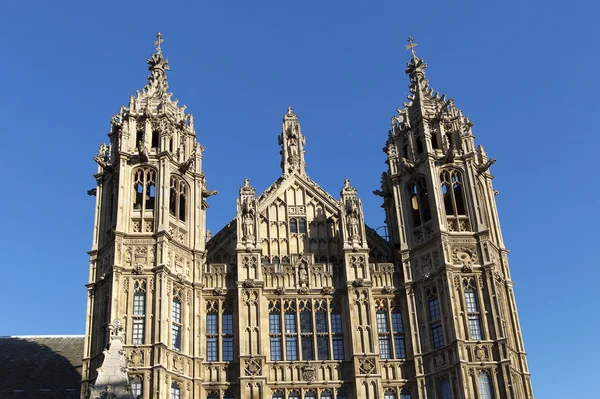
<point>411,46</point>
<point>157,43</point>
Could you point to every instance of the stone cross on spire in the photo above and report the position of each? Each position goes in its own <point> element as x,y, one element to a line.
<point>411,46</point>
<point>157,43</point>
<point>292,143</point>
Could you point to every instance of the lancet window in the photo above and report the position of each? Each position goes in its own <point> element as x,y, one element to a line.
<point>435,319</point>
<point>298,225</point>
<point>176,324</point>
<point>136,385</point>
<point>175,391</point>
<point>445,390</point>
<point>454,200</point>
<point>418,199</point>
<point>311,329</point>
<point>178,194</point>
<point>219,331</point>
<point>485,388</point>
<point>144,187</point>
<point>472,309</point>
<point>391,340</point>
<point>139,312</point>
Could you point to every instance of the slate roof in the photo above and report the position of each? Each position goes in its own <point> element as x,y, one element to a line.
<point>40,367</point>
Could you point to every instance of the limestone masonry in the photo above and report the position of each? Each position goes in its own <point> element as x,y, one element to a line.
<point>296,298</point>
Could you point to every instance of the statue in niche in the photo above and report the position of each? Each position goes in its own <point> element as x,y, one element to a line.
<point>302,273</point>
<point>353,219</point>
<point>143,151</point>
<point>293,148</point>
<point>248,218</point>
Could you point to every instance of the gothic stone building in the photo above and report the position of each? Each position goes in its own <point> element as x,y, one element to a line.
<point>296,298</point>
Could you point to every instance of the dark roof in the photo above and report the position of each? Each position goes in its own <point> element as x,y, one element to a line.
<point>40,367</point>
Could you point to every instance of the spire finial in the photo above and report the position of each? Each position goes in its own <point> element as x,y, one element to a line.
<point>157,43</point>
<point>411,46</point>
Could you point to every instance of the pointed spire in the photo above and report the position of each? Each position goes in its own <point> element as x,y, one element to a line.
<point>292,143</point>
<point>158,67</point>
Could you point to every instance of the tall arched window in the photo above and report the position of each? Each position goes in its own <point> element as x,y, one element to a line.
<point>326,395</point>
<point>472,310</point>
<point>445,390</point>
<point>139,312</point>
<point>485,389</point>
<point>454,200</point>
<point>310,395</point>
<point>341,395</point>
<point>419,202</point>
<point>389,395</point>
<point>144,188</point>
<point>277,395</point>
<point>175,391</point>
<point>435,318</point>
<point>176,322</point>
<point>178,198</point>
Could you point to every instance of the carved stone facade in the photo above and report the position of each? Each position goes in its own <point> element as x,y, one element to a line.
<point>296,297</point>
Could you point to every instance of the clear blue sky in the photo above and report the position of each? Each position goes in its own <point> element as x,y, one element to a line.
<point>526,73</point>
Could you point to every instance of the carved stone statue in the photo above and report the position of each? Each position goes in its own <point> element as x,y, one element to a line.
<point>142,151</point>
<point>353,220</point>
<point>248,217</point>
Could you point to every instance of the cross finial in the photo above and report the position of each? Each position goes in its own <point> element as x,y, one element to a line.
<point>411,46</point>
<point>157,43</point>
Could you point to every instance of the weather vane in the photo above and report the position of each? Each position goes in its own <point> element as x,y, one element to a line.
<point>411,46</point>
<point>158,41</point>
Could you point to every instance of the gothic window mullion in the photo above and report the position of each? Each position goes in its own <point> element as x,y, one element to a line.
<point>391,329</point>
<point>330,331</point>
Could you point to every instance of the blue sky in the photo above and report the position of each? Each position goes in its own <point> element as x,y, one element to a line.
<point>526,73</point>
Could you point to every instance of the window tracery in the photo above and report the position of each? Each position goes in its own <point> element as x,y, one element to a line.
<point>178,194</point>
<point>219,334</point>
<point>472,309</point>
<point>315,323</point>
<point>418,200</point>
<point>391,340</point>
<point>139,312</point>
<point>435,319</point>
<point>176,325</point>
<point>454,200</point>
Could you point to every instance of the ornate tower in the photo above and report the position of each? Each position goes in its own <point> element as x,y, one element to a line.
<point>149,243</point>
<point>465,338</point>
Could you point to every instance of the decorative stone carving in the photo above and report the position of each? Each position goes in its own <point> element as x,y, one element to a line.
<point>327,291</point>
<point>249,283</point>
<point>387,290</point>
<point>358,283</point>
<point>252,367</point>
<point>366,366</point>
<point>138,269</point>
<point>464,255</point>
<point>303,290</point>
<point>178,363</point>
<point>308,373</point>
<point>136,358</point>
<point>466,269</point>
<point>219,291</point>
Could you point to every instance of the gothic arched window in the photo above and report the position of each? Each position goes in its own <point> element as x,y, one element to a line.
<point>277,395</point>
<point>176,323</point>
<point>454,199</point>
<point>435,318</point>
<point>136,386</point>
<point>472,310</point>
<point>178,198</point>
<point>144,189</point>
<point>139,312</point>
<point>445,391</point>
<point>389,394</point>
<point>175,391</point>
<point>404,394</point>
<point>483,383</point>
<point>419,202</point>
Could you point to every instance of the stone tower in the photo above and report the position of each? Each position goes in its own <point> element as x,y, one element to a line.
<point>148,244</point>
<point>465,339</point>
